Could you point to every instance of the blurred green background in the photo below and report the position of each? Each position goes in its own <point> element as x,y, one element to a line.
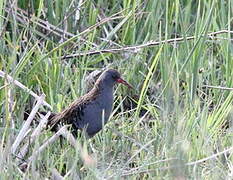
<point>51,45</point>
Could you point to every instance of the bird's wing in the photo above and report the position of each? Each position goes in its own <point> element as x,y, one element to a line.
<point>74,111</point>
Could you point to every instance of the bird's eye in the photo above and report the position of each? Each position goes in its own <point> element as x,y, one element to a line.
<point>114,76</point>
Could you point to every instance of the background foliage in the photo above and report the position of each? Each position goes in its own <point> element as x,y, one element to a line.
<point>50,46</point>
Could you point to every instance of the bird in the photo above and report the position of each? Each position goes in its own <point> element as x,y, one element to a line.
<point>91,111</point>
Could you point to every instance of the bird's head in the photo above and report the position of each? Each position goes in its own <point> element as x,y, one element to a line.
<point>110,77</point>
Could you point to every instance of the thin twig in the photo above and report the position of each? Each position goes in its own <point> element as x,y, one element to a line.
<point>23,151</point>
<point>140,169</point>
<point>19,84</point>
<point>23,18</point>
<point>86,31</point>
<point>51,140</point>
<point>218,87</point>
<point>209,157</point>
<point>40,127</point>
<point>148,44</point>
<point>27,123</point>
<point>60,132</point>
<point>42,148</point>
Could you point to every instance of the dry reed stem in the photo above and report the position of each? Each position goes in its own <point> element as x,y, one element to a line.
<point>45,144</point>
<point>19,84</point>
<point>218,87</point>
<point>23,151</point>
<point>27,123</point>
<point>40,127</point>
<point>61,132</point>
<point>148,44</point>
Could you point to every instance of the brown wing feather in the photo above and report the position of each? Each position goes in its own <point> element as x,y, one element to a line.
<point>76,108</point>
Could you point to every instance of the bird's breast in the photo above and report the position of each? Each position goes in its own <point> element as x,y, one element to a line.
<point>105,103</point>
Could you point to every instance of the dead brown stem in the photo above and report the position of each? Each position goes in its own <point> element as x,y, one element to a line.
<point>148,44</point>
